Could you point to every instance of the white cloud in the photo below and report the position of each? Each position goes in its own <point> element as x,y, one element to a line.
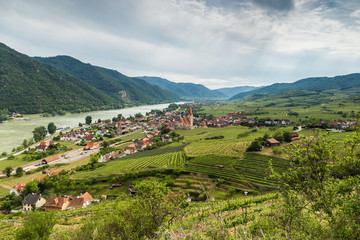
<point>214,42</point>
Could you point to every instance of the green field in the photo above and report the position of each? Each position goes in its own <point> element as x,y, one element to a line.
<point>14,163</point>
<point>252,170</point>
<point>168,157</point>
<point>3,192</point>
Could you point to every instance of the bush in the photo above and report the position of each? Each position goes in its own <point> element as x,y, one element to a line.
<point>38,225</point>
<point>277,150</point>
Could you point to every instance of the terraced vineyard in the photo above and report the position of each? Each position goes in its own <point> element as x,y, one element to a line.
<point>171,159</point>
<point>235,149</point>
<point>252,170</point>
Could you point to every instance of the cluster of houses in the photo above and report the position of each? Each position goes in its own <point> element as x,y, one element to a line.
<point>56,203</point>
<point>19,188</point>
<point>338,126</point>
<point>238,119</point>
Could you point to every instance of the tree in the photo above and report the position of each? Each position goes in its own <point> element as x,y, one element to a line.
<point>31,187</point>
<point>319,192</point>
<point>254,146</point>
<point>39,225</point>
<point>51,128</point>
<point>88,120</point>
<point>136,218</point>
<point>39,133</point>
<point>19,171</point>
<point>137,115</point>
<point>7,171</point>
<point>164,129</point>
<point>25,143</point>
<point>105,144</point>
<point>287,136</point>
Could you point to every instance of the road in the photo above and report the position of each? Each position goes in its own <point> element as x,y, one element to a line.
<point>75,155</point>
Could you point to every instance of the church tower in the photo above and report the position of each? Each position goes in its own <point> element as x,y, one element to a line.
<point>191,118</point>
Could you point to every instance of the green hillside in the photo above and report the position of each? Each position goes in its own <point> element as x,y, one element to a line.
<point>111,82</point>
<point>27,86</point>
<point>185,90</point>
<point>313,84</point>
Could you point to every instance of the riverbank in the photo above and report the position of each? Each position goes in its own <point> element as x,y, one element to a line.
<point>14,132</point>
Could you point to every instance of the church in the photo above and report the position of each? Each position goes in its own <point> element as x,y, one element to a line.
<point>186,122</point>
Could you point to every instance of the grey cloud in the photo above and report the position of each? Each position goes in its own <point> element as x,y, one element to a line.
<point>278,5</point>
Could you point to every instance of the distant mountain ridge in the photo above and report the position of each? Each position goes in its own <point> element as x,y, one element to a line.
<point>28,86</point>
<point>313,84</point>
<point>111,82</point>
<point>232,91</point>
<point>185,90</point>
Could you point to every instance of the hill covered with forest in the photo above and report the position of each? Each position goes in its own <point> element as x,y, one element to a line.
<point>344,82</point>
<point>186,91</point>
<point>28,86</point>
<point>111,82</point>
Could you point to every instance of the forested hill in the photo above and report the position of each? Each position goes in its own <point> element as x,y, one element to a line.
<point>111,82</point>
<point>28,86</point>
<point>313,84</point>
<point>185,90</point>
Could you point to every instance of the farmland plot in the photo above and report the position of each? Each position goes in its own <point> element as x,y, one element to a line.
<point>235,149</point>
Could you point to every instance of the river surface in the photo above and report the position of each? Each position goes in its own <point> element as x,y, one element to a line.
<point>13,133</point>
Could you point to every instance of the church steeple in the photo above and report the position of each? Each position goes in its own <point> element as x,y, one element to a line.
<point>191,118</point>
<point>190,112</point>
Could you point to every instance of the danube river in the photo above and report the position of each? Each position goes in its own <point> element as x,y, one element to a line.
<point>13,133</point>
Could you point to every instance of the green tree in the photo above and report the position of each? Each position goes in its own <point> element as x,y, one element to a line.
<point>254,146</point>
<point>88,120</point>
<point>137,115</point>
<point>31,187</point>
<point>25,143</point>
<point>164,129</point>
<point>38,225</point>
<point>51,128</point>
<point>319,192</point>
<point>7,171</point>
<point>135,218</point>
<point>39,133</point>
<point>19,171</point>
<point>287,136</point>
<point>105,144</point>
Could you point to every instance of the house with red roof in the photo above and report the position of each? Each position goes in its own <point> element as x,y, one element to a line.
<point>50,159</point>
<point>130,149</point>
<point>43,146</point>
<point>55,203</point>
<point>92,145</point>
<point>17,189</point>
<point>81,201</point>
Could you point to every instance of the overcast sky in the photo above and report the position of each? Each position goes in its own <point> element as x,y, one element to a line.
<point>218,43</point>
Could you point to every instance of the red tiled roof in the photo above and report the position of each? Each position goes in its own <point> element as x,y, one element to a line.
<point>56,202</point>
<point>52,158</point>
<point>86,196</point>
<point>20,187</point>
<point>77,202</point>
<point>273,141</point>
